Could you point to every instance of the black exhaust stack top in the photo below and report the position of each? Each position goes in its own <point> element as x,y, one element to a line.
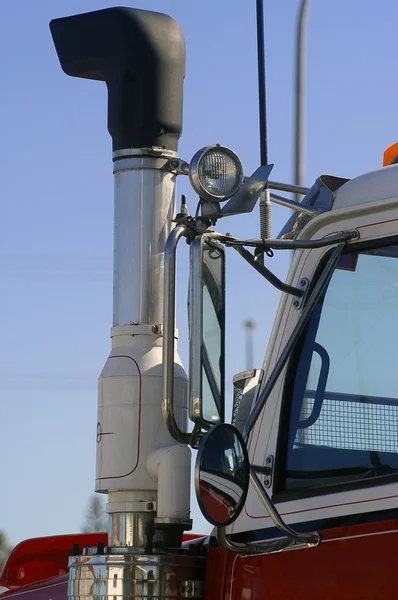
<point>141,57</point>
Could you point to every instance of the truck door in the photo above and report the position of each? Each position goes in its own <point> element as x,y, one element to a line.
<point>330,426</point>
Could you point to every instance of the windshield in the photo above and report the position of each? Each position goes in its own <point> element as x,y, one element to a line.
<point>344,413</point>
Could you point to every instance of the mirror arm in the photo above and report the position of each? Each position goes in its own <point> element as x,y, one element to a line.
<point>294,205</point>
<point>292,540</point>
<point>282,244</point>
<point>308,539</point>
<point>196,436</point>
<point>169,334</point>
<point>250,549</point>
<point>269,276</point>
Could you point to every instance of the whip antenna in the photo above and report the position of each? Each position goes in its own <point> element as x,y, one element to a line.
<point>262,100</point>
<point>265,200</point>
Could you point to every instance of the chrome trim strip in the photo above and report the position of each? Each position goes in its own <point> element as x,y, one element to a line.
<point>153,152</point>
<point>195,335</point>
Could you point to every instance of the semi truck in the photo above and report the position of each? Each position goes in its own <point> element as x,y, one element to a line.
<point>300,481</point>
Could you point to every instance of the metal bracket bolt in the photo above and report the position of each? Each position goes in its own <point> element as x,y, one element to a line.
<point>298,300</point>
<point>178,166</point>
<point>192,589</point>
<point>270,464</point>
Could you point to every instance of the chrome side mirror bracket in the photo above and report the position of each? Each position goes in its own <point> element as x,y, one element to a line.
<point>222,475</point>
<point>169,333</point>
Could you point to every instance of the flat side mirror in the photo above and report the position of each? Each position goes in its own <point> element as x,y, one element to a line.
<point>222,474</point>
<point>207,331</point>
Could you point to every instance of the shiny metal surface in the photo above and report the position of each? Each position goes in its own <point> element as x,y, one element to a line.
<point>142,162</point>
<point>310,539</point>
<point>129,529</point>
<point>222,474</point>
<point>292,540</point>
<point>153,151</point>
<point>245,199</point>
<point>288,187</point>
<point>192,589</point>
<point>264,547</point>
<point>157,577</point>
<point>265,215</point>
<point>169,309</point>
<point>277,185</point>
<point>195,334</point>
<point>299,142</point>
<point>194,176</point>
<point>283,187</point>
<point>250,549</point>
<point>144,207</point>
<point>319,198</point>
<point>297,206</point>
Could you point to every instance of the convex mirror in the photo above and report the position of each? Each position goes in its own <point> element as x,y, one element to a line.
<point>222,474</point>
<point>207,331</point>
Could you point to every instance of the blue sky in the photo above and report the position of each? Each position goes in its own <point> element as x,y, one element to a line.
<point>56,190</point>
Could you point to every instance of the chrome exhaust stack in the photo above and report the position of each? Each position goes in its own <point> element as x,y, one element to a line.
<point>140,55</point>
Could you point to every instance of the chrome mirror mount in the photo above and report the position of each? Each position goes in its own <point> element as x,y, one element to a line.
<point>222,474</point>
<point>291,540</point>
<point>169,333</point>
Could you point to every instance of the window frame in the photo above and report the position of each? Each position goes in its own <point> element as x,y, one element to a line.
<point>280,493</point>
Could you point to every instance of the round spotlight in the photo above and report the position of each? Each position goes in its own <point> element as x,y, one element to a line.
<point>216,173</point>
